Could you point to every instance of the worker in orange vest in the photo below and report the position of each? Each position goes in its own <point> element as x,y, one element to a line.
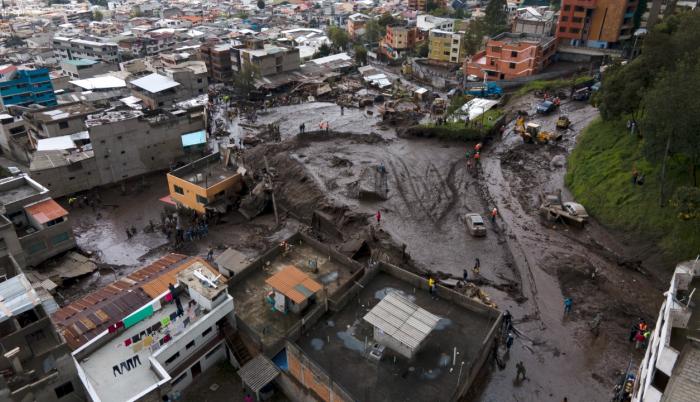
<point>477,156</point>
<point>477,147</point>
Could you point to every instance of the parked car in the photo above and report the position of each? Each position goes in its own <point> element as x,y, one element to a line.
<point>582,94</point>
<point>14,170</point>
<point>546,107</point>
<point>475,224</point>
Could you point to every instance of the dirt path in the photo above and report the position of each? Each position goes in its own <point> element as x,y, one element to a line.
<point>561,355</point>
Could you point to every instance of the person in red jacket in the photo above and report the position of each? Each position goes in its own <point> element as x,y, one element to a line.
<point>379,217</point>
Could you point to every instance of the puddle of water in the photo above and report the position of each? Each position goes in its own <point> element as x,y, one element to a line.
<point>330,323</point>
<point>379,294</point>
<point>431,374</point>
<point>444,360</point>
<point>351,342</point>
<point>443,323</point>
<point>317,343</point>
<point>329,277</point>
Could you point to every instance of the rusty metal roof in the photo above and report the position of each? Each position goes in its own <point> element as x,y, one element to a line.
<point>87,317</point>
<point>293,283</point>
<point>46,210</point>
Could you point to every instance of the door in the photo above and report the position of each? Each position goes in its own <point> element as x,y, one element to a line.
<point>196,370</point>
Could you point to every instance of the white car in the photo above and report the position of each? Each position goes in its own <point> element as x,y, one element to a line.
<point>576,209</point>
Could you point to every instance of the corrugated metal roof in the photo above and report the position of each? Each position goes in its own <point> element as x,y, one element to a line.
<point>16,297</point>
<point>87,317</point>
<point>154,83</point>
<point>293,283</point>
<point>258,372</point>
<point>46,210</point>
<point>402,319</point>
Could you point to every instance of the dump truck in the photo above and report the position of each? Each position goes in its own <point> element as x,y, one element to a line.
<point>553,209</point>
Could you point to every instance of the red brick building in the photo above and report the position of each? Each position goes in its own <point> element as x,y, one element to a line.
<point>595,23</point>
<point>509,56</point>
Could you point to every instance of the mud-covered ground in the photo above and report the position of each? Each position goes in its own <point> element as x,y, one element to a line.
<point>527,266</point>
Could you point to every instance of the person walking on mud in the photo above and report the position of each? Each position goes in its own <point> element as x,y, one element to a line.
<point>477,266</point>
<point>568,303</point>
<point>520,367</point>
<point>431,286</point>
<point>635,175</point>
<point>379,217</point>
<point>210,253</point>
<point>494,213</point>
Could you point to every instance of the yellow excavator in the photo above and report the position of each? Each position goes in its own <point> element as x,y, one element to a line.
<point>530,132</point>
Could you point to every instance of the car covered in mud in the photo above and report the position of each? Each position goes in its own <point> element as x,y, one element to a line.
<point>475,224</point>
<point>576,209</point>
<point>546,107</point>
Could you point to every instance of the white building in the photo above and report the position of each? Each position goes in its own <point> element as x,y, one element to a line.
<point>670,370</point>
<point>162,347</point>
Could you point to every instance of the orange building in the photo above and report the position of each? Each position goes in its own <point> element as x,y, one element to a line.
<point>205,184</point>
<point>595,23</point>
<point>356,25</point>
<point>509,56</point>
<point>397,40</point>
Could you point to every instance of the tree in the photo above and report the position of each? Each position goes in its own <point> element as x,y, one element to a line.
<point>97,15</point>
<point>496,17</point>
<point>474,36</point>
<point>244,81</point>
<point>323,51</point>
<point>373,31</point>
<point>686,200</point>
<point>261,4</point>
<point>360,54</point>
<point>431,5</point>
<point>339,37</point>
<point>423,49</point>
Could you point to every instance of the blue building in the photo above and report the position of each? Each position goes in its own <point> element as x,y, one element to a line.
<point>26,87</point>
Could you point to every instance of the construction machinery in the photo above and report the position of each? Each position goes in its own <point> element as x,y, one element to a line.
<point>485,90</point>
<point>531,132</point>
<point>553,209</point>
<point>563,122</point>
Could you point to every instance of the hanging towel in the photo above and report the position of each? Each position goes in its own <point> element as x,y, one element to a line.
<point>165,321</point>
<point>120,324</point>
<point>112,329</point>
<point>156,305</point>
<point>137,347</point>
<point>173,316</point>
<point>169,297</point>
<point>147,341</point>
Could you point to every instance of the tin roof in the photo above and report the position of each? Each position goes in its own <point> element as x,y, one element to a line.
<point>402,319</point>
<point>155,83</point>
<point>46,210</point>
<point>89,316</point>
<point>258,372</point>
<point>293,283</point>
<point>16,297</point>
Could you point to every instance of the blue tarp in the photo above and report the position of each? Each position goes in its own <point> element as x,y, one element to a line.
<point>280,360</point>
<point>196,138</point>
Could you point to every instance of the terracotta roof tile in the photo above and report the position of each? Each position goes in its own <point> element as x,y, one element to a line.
<point>293,283</point>
<point>46,210</point>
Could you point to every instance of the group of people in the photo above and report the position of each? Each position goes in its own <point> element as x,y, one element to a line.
<point>82,201</point>
<point>172,227</point>
<point>473,158</point>
<point>640,334</point>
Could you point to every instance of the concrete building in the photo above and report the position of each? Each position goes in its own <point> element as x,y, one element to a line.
<point>41,225</point>
<point>14,138</point>
<point>84,68</point>
<point>36,363</point>
<point>128,143</point>
<point>397,41</point>
<point>509,56</point>
<point>205,184</point>
<point>445,46</point>
<point>76,48</point>
<point>356,25</point>
<point>670,369</point>
<point>292,290</point>
<point>58,121</point>
<point>427,22</point>
<point>267,59</point>
<point>25,87</point>
<point>534,21</point>
<point>217,57</point>
<point>174,85</point>
<point>155,339</point>
<point>595,23</point>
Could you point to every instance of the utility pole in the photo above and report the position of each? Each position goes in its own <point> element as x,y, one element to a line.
<point>268,179</point>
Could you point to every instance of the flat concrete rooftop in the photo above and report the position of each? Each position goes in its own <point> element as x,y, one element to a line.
<point>17,193</point>
<point>249,294</point>
<point>337,342</point>
<point>205,171</point>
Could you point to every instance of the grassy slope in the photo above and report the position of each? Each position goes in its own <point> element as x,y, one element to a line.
<point>600,177</point>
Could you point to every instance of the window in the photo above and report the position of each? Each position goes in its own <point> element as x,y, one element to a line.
<point>178,190</point>
<point>189,345</point>
<point>36,336</point>
<point>54,221</point>
<point>446,52</point>
<point>562,29</point>
<point>574,30</point>
<point>511,65</point>
<point>567,8</point>
<point>206,332</point>
<point>496,49</point>
<point>577,19</point>
<point>62,124</point>
<point>213,352</point>
<point>578,9</point>
<point>172,358</point>
<point>64,389</point>
<point>202,200</point>
<point>59,238</point>
<point>199,80</point>
<point>513,54</point>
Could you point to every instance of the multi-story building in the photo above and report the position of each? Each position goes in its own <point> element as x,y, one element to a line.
<point>204,183</point>
<point>177,84</point>
<point>41,225</point>
<point>445,46</point>
<point>25,87</point>
<point>397,40</point>
<point>154,350</point>
<point>671,366</point>
<point>427,22</point>
<point>356,25</point>
<point>656,10</point>
<point>595,23</point>
<point>76,48</point>
<point>534,21</point>
<point>217,57</point>
<point>509,56</point>
<point>58,120</point>
<point>14,138</point>
<point>36,361</point>
<point>422,5</point>
<point>85,68</point>
<point>267,59</point>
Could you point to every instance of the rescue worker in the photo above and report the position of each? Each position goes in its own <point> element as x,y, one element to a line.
<point>431,285</point>
<point>477,147</point>
<point>72,201</point>
<point>509,340</point>
<point>210,253</point>
<point>494,213</point>
<point>568,303</point>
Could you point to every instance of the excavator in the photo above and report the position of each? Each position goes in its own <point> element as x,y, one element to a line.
<point>531,133</point>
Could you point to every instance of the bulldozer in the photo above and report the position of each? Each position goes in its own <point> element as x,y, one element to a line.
<point>531,132</point>
<point>563,122</point>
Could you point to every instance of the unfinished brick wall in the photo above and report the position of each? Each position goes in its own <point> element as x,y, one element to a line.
<point>313,378</point>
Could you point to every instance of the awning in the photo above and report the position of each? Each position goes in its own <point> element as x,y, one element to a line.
<point>258,372</point>
<point>168,200</point>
